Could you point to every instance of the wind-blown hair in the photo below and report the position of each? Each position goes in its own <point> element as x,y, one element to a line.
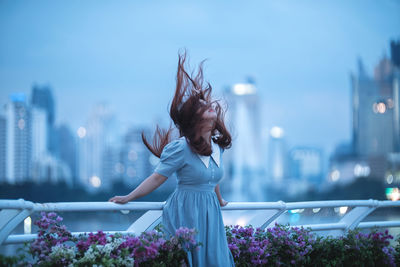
<point>190,101</point>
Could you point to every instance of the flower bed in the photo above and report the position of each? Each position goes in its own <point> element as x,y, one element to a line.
<point>292,246</point>
<point>277,246</point>
<point>55,246</point>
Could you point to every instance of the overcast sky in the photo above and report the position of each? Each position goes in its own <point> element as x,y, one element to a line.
<point>124,53</point>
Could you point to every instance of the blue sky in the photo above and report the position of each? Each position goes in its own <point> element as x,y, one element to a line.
<point>124,53</point>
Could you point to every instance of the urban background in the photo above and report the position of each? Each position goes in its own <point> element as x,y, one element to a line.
<point>95,151</point>
<point>35,151</point>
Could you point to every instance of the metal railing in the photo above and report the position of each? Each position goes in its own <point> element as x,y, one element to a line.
<point>13,212</point>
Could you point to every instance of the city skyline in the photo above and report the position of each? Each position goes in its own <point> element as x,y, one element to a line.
<point>103,157</point>
<point>300,56</point>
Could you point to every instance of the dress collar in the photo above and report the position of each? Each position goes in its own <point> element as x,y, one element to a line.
<point>215,155</point>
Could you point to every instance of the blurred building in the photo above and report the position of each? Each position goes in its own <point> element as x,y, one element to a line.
<point>97,138</point>
<point>243,161</point>
<point>342,163</point>
<point>306,164</point>
<point>39,132</point>
<point>292,172</point>
<point>395,53</point>
<point>376,124</point>
<point>67,150</point>
<point>376,111</point>
<point>111,164</point>
<point>278,164</point>
<point>18,139</point>
<point>3,147</point>
<point>50,169</point>
<point>42,97</point>
<point>46,165</point>
<point>137,161</point>
<point>39,135</point>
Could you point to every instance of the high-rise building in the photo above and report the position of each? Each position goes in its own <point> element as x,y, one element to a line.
<point>18,139</point>
<point>375,147</point>
<point>24,135</point>
<point>395,52</point>
<point>39,132</point>
<point>376,110</point>
<point>67,147</point>
<point>345,166</point>
<point>97,138</point>
<point>39,139</point>
<point>50,169</point>
<point>46,165</point>
<point>306,164</point>
<point>136,158</point>
<point>243,161</point>
<point>376,121</point>
<point>277,157</point>
<point>42,97</point>
<point>3,146</point>
<point>111,168</point>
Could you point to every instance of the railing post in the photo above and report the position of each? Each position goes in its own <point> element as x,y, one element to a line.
<point>355,216</point>
<point>10,218</point>
<point>147,221</point>
<point>275,216</point>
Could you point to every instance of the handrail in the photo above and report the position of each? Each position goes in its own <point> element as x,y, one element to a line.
<point>97,206</point>
<point>14,212</point>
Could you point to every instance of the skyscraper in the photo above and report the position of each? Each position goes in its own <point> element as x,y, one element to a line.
<point>46,165</point>
<point>39,133</point>
<point>42,97</point>
<point>306,164</point>
<point>376,110</point>
<point>243,160</point>
<point>67,147</point>
<point>3,146</point>
<point>375,146</point>
<point>136,158</point>
<point>18,139</point>
<point>376,122</point>
<point>97,138</point>
<point>395,52</point>
<point>277,157</point>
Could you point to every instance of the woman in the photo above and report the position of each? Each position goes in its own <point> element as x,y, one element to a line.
<point>196,157</point>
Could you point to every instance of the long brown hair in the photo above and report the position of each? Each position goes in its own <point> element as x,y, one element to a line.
<point>190,101</point>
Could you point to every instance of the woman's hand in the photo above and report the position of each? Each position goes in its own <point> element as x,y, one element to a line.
<point>146,187</point>
<point>223,203</point>
<point>119,199</point>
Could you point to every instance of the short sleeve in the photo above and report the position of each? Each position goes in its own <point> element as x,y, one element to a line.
<point>172,158</point>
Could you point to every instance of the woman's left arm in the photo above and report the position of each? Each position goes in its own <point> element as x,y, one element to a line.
<point>222,202</point>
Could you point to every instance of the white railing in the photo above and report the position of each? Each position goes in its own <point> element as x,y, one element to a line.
<point>13,212</point>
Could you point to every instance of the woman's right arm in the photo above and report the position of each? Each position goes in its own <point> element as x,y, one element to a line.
<point>147,186</point>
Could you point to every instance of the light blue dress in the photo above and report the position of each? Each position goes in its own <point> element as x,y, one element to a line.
<point>194,203</point>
